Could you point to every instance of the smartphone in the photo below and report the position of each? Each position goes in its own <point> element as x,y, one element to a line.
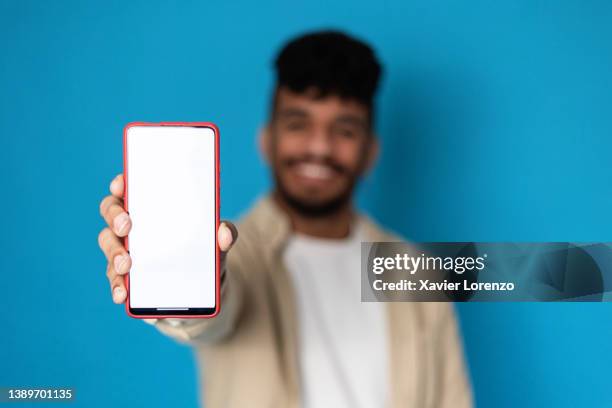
<point>171,173</point>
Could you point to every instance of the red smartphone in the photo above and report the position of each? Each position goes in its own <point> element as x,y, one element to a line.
<point>171,173</point>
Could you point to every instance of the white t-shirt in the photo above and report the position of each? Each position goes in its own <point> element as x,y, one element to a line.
<point>343,349</point>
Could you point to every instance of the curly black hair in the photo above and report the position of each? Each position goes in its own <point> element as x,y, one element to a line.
<point>330,63</point>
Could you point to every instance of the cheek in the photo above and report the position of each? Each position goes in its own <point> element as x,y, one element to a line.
<point>350,155</point>
<point>287,147</point>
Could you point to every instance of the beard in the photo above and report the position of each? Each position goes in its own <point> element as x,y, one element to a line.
<point>312,209</point>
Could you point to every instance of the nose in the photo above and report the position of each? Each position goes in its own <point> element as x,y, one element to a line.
<point>319,144</point>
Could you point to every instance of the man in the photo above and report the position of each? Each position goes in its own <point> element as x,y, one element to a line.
<point>292,331</point>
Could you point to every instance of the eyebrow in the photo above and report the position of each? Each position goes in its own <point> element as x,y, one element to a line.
<point>289,113</point>
<point>351,120</point>
<point>346,119</point>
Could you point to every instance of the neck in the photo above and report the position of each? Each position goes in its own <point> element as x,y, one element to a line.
<point>335,225</point>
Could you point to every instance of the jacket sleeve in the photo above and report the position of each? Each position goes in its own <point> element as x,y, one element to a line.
<point>455,386</point>
<point>192,331</point>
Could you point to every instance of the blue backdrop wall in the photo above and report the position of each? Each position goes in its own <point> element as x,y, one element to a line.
<point>495,120</point>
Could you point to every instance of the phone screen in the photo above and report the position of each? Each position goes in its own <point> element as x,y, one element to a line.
<point>171,196</point>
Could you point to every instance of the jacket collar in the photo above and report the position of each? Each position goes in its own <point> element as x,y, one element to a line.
<point>272,222</point>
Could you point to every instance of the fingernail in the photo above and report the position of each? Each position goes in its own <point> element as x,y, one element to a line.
<point>121,222</point>
<point>118,294</point>
<point>114,185</point>
<point>225,235</point>
<point>120,263</point>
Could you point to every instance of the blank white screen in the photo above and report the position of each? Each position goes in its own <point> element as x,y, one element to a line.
<point>171,200</point>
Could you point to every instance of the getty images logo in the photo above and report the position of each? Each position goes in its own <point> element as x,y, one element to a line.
<point>412,264</point>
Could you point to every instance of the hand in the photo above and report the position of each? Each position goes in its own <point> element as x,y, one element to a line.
<point>119,224</point>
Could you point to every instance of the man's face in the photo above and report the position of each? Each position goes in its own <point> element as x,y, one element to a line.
<point>318,147</point>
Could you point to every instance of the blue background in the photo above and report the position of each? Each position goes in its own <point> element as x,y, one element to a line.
<point>495,120</point>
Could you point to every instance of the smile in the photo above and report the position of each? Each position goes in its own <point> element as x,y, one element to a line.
<point>314,171</point>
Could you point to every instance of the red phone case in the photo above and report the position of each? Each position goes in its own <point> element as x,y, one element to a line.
<point>217,211</point>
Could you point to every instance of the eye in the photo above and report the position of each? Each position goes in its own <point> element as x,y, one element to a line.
<point>346,133</point>
<point>295,126</point>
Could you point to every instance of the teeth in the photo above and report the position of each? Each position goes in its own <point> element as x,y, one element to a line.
<point>317,171</point>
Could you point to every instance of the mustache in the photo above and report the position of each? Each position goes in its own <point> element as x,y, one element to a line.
<point>335,166</point>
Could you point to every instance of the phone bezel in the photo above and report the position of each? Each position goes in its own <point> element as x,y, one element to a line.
<point>154,313</point>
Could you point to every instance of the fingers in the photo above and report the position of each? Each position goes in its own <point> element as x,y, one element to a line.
<point>117,285</point>
<point>119,225</point>
<point>117,186</point>
<point>114,251</point>
<point>111,209</point>
<point>227,235</point>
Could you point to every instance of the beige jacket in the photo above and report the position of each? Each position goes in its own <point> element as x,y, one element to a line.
<point>250,349</point>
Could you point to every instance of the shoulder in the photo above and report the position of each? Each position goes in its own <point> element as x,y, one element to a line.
<point>264,220</point>
<point>262,230</point>
<point>375,232</point>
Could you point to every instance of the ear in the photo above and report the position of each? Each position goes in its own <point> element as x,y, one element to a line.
<point>373,150</point>
<point>264,139</point>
